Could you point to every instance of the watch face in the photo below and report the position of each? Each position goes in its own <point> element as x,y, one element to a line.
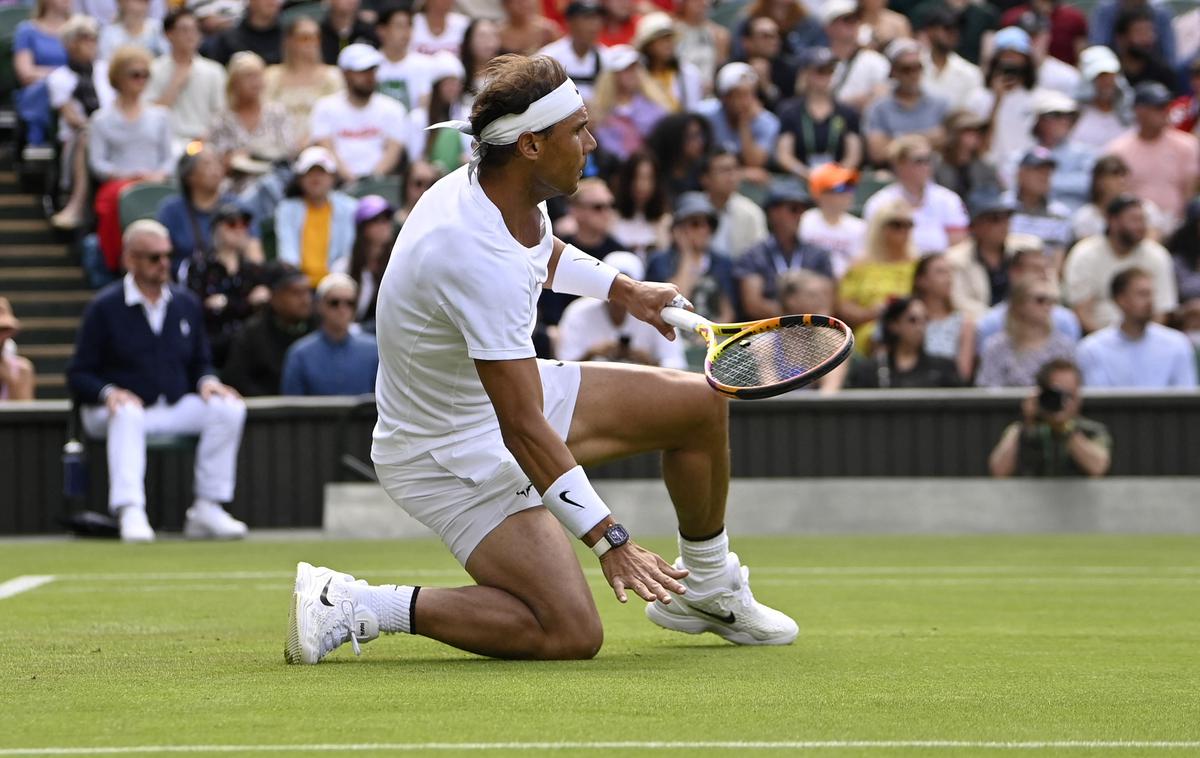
<point>616,535</point>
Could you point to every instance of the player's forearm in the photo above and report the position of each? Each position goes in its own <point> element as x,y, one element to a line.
<point>538,450</point>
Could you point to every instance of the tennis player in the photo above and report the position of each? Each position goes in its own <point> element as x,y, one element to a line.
<point>476,435</point>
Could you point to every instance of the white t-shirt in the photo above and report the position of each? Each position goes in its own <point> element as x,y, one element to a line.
<point>458,287</point>
<point>359,135</point>
<point>583,70</point>
<point>866,71</point>
<point>585,324</point>
<point>60,88</point>
<point>844,241</point>
<point>202,97</point>
<point>940,211</point>
<point>425,41</point>
<point>406,80</point>
<point>1092,264</point>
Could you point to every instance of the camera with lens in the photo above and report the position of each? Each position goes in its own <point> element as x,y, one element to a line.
<point>1009,69</point>
<point>1051,400</point>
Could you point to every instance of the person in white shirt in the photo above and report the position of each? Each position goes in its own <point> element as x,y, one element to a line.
<point>939,216</point>
<point>592,330</point>
<point>364,130</point>
<point>403,73</point>
<point>74,100</point>
<point>437,28</point>
<point>578,50</point>
<point>190,86</point>
<point>1093,262</point>
<point>830,225</point>
<point>474,433</point>
<point>862,74</point>
<point>1011,87</point>
<point>1105,99</point>
<point>947,73</point>
<point>1137,352</point>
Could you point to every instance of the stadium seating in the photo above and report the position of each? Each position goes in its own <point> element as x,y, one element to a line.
<point>141,201</point>
<point>389,188</point>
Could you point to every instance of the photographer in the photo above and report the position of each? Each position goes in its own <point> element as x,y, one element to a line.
<point>1052,439</point>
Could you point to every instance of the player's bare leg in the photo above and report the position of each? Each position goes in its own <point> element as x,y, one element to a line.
<point>531,602</point>
<point>623,410</point>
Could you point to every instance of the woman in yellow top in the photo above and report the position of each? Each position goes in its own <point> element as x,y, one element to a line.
<point>314,227</point>
<point>882,272</point>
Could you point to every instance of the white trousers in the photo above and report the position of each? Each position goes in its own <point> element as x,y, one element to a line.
<point>219,423</point>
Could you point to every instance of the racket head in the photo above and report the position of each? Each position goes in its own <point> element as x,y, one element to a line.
<point>776,355</point>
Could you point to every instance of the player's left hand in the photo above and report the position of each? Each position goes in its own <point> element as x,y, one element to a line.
<point>645,301</point>
<point>633,567</point>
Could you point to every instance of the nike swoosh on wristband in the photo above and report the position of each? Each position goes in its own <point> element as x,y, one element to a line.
<point>563,497</point>
<point>325,594</point>
<point>593,260</point>
<point>728,618</point>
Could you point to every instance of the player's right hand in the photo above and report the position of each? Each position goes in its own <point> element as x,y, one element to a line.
<point>632,567</point>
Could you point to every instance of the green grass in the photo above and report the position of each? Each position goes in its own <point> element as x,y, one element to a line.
<point>1023,639</point>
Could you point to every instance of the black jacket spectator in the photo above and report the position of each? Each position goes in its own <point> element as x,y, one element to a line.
<point>332,41</point>
<point>255,363</point>
<point>116,346</point>
<point>266,41</point>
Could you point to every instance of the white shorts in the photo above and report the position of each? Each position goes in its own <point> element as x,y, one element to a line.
<point>464,496</point>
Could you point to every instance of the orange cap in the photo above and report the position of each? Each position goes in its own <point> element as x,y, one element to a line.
<point>829,175</point>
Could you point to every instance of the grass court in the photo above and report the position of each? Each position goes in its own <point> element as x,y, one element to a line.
<point>909,646</point>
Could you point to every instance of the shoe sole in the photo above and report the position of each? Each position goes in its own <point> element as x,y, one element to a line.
<point>293,648</point>
<point>191,532</point>
<point>692,625</point>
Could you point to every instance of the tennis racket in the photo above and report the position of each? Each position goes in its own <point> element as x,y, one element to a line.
<point>757,359</point>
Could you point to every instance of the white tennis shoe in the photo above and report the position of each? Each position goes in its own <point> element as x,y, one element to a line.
<point>726,608</point>
<point>324,616</point>
<point>212,522</point>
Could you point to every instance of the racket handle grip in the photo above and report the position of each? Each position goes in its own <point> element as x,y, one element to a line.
<point>684,319</point>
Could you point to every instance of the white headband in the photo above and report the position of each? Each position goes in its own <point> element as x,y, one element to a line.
<point>541,113</point>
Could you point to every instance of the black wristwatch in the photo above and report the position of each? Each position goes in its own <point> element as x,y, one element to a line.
<point>614,536</point>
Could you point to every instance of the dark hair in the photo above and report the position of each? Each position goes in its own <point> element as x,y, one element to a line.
<point>1028,73</point>
<point>514,82</point>
<point>623,188</point>
<point>358,262</point>
<point>666,139</point>
<point>468,57</point>
<point>438,109</point>
<point>1121,281</point>
<point>922,269</point>
<point>173,17</point>
<point>1130,16</point>
<point>891,314</point>
<point>712,155</point>
<point>1185,241</point>
<point>1109,164</point>
<point>1053,367</point>
<point>293,23</point>
<point>391,9</point>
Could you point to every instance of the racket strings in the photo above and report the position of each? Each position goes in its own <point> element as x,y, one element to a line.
<point>776,355</point>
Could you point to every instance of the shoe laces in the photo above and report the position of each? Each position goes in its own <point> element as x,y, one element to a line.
<point>342,628</point>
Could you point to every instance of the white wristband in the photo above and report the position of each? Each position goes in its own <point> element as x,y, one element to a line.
<point>574,503</point>
<point>578,273</point>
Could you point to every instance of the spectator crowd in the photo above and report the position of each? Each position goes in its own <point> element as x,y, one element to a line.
<point>978,188</point>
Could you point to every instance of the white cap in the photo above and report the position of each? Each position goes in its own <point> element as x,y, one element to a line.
<point>835,9</point>
<point>620,57</point>
<point>627,263</point>
<point>333,281</point>
<point>1052,101</point>
<point>652,26</point>
<point>359,57</point>
<point>1097,60</point>
<point>901,46</point>
<point>735,74</point>
<point>445,64</point>
<point>315,157</point>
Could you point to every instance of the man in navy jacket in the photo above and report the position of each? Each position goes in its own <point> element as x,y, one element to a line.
<point>142,366</point>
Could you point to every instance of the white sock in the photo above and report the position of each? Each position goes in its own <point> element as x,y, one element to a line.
<point>705,560</point>
<point>392,603</point>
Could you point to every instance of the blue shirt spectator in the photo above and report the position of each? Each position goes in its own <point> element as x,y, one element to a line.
<point>332,360</point>
<point>190,226</point>
<point>737,101</point>
<point>1064,320</point>
<point>47,49</point>
<point>1160,357</point>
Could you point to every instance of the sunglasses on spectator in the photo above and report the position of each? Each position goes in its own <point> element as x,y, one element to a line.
<point>236,223</point>
<point>139,73</point>
<point>899,223</point>
<point>920,159</point>
<point>842,188</point>
<point>339,302</point>
<point>154,257</point>
<point>908,68</point>
<point>915,319</point>
<point>1043,299</point>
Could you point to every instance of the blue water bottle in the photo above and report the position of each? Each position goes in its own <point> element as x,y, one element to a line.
<point>75,475</point>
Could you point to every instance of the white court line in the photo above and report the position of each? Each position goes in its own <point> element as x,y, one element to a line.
<point>549,746</point>
<point>867,571</point>
<point>23,584</point>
